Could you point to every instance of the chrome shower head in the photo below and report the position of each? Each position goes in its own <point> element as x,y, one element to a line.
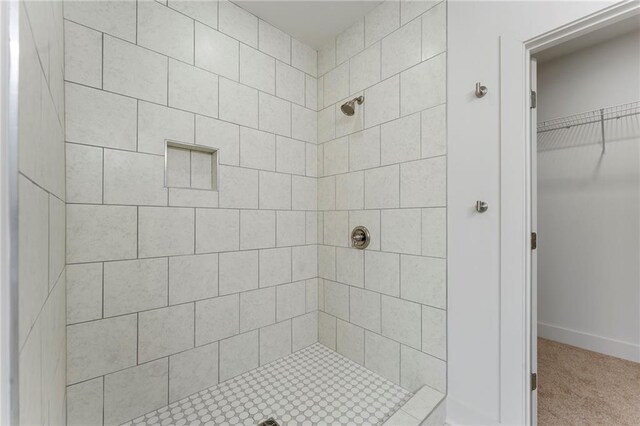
<point>348,108</point>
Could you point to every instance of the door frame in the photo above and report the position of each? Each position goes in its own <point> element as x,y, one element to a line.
<point>516,337</point>
<point>9,351</point>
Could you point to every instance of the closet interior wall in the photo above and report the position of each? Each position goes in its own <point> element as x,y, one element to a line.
<point>589,202</point>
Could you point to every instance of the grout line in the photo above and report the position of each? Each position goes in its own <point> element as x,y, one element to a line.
<point>103,396</point>
<point>102,63</point>
<point>136,38</point>
<point>102,313</point>
<point>137,338</point>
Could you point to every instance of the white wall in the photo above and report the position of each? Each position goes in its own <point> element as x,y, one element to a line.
<point>474,30</point>
<point>588,204</point>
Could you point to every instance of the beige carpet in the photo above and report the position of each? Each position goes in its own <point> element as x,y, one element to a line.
<point>580,387</point>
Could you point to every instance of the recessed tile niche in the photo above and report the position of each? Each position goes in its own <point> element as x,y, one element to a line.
<point>191,166</point>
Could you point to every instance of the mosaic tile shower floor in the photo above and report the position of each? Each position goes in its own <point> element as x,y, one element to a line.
<point>313,386</point>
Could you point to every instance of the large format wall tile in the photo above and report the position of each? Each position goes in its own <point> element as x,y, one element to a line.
<point>274,42</point>
<point>305,331</point>
<point>133,178</point>
<point>99,347</point>
<point>290,83</point>
<point>84,292</point>
<point>275,266</point>
<point>135,390</point>
<point>215,51</point>
<point>217,230</point>
<point>382,356</point>
<point>157,123</point>
<point>238,23</point>
<point>134,71</point>
<point>192,370</point>
<point>165,231</point>
<point>203,11</point>
<point>192,89</point>
<point>96,233</point>
<point>381,21</point>
<point>115,18</point>
<point>401,321</point>
<point>94,117</point>
<point>238,271</point>
<point>217,318</point>
<point>350,341</point>
<point>238,354</point>
<point>238,103</point>
<point>165,331</point>
<point>85,403</point>
<point>165,31</point>
<point>257,69</point>
<point>257,149</point>
<point>427,85</point>
<point>275,342</point>
<point>134,285</point>
<point>83,55</point>
<point>304,57</point>
<point>402,49</point>
<point>84,174</point>
<point>193,278</point>
<point>434,31</point>
<point>291,299</point>
<point>257,308</point>
<point>33,249</point>
<point>418,368</point>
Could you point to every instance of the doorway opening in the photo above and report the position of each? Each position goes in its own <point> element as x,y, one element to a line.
<point>585,217</point>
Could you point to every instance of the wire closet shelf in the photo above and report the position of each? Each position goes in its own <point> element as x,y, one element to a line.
<point>600,116</point>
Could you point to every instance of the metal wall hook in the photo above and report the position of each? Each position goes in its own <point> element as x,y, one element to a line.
<point>480,90</point>
<point>482,206</point>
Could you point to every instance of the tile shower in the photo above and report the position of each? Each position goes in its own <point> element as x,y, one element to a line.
<point>212,183</point>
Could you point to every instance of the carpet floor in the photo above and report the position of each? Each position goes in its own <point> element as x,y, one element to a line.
<point>580,387</point>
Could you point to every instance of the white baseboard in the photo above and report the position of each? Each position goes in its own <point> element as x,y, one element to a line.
<point>604,345</point>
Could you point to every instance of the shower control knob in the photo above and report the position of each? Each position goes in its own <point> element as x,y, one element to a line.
<point>482,206</point>
<point>360,237</point>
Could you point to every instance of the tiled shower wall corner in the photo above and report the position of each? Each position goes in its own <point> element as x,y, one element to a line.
<point>172,290</point>
<point>41,221</point>
<point>385,168</point>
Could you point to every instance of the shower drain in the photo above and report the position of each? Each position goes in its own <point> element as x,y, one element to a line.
<point>269,422</point>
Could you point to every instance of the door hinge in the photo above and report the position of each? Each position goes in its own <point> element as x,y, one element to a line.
<point>534,99</point>
<point>534,241</point>
<point>534,381</point>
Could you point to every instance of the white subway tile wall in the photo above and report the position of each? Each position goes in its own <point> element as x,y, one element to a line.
<point>42,210</point>
<point>385,168</point>
<point>174,289</point>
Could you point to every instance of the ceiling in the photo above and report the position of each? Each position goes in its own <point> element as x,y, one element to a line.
<point>312,22</point>
<point>598,36</point>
